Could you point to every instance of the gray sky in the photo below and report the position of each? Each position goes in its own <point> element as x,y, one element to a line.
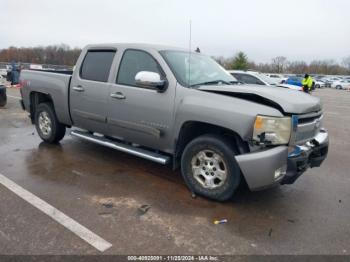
<point>299,30</point>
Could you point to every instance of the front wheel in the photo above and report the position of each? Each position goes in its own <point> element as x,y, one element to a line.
<point>209,168</point>
<point>47,125</point>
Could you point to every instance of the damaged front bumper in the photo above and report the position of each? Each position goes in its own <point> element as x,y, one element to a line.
<point>312,154</point>
<point>281,164</point>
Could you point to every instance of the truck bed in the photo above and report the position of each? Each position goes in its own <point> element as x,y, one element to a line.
<point>40,81</point>
<point>65,72</point>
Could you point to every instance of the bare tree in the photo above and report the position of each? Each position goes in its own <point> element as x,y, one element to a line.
<point>279,63</point>
<point>346,62</point>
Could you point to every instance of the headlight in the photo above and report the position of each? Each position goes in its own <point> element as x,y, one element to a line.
<point>272,130</point>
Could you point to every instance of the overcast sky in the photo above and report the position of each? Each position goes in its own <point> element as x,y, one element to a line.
<point>297,29</point>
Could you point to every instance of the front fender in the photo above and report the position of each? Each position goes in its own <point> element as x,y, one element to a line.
<point>232,113</point>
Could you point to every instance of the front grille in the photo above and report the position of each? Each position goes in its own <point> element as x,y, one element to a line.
<point>306,135</point>
<point>308,119</point>
<point>308,126</point>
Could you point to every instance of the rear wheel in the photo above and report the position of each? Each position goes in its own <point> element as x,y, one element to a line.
<point>338,87</point>
<point>3,97</point>
<point>209,168</point>
<point>47,125</point>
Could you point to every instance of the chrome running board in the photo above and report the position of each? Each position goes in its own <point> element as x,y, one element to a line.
<point>140,152</point>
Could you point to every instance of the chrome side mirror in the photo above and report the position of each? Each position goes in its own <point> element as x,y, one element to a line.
<point>150,79</point>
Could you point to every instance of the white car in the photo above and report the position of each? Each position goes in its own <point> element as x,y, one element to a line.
<point>341,84</point>
<point>319,83</point>
<point>256,78</point>
<point>277,77</point>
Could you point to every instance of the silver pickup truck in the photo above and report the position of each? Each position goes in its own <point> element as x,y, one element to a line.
<point>180,108</point>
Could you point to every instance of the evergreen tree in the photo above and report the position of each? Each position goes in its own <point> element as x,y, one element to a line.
<point>240,61</point>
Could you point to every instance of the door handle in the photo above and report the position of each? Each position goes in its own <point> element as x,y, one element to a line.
<point>78,88</point>
<point>118,95</point>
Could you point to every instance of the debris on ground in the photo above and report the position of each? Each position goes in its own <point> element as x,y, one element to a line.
<point>291,220</point>
<point>107,204</point>
<point>105,214</point>
<point>270,232</point>
<point>222,221</point>
<point>339,200</point>
<point>143,209</point>
<point>193,195</point>
<point>77,173</point>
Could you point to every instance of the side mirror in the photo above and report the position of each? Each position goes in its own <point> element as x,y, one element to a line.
<point>150,79</point>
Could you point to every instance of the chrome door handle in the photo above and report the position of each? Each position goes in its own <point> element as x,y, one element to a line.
<point>78,88</point>
<point>118,95</point>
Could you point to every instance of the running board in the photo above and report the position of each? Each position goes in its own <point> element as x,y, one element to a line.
<point>140,152</point>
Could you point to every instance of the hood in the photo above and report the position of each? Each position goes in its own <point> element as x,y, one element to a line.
<point>293,87</point>
<point>286,100</point>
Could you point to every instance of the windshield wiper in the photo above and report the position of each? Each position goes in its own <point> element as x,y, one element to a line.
<point>212,83</point>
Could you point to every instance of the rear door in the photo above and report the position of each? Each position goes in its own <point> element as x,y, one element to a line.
<point>89,90</point>
<point>137,114</point>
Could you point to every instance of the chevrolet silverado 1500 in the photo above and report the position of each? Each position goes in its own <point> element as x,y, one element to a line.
<point>175,107</point>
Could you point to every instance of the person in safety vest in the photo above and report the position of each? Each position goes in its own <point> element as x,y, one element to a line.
<point>307,83</point>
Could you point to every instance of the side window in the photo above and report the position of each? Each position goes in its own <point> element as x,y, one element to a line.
<point>96,65</point>
<point>134,61</point>
<point>248,79</point>
<point>238,77</point>
<point>258,81</point>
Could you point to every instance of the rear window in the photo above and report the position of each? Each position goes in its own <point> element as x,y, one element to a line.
<point>96,65</point>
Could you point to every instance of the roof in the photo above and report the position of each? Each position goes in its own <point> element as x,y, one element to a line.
<point>243,71</point>
<point>136,46</point>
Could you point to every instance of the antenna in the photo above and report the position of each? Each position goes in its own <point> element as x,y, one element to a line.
<point>189,55</point>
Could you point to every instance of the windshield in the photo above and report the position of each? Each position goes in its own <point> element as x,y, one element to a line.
<point>196,69</point>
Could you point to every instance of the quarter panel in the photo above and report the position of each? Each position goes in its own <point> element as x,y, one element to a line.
<point>55,85</point>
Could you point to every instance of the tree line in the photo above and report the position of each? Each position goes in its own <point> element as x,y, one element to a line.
<point>53,54</point>
<point>280,64</point>
<point>65,55</point>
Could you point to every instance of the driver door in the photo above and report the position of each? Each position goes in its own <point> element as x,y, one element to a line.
<point>138,114</point>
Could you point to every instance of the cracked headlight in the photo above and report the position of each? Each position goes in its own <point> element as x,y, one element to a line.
<point>272,130</point>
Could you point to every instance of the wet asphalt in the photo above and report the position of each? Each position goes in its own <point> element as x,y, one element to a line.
<point>103,189</point>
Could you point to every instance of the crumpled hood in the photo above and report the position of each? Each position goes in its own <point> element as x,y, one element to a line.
<point>290,101</point>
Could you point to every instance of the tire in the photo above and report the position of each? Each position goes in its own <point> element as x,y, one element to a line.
<point>47,125</point>
<point>317,86</point>
<point>218,158</point>
<point>338,87</point>
<point>3,97</point>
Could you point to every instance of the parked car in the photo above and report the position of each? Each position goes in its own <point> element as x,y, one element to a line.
<point>319,83</point>
<point>256,78</point>
<point>340,84</point>
<point>280,79</point>
<point>294,80</point>
<point>166,105</point>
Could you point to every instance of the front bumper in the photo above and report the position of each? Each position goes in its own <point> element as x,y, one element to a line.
<point>278,165</point>
<point>312,154</point>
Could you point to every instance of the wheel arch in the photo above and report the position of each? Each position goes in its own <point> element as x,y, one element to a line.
<point>37,98</point>
<point>193,129</point>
